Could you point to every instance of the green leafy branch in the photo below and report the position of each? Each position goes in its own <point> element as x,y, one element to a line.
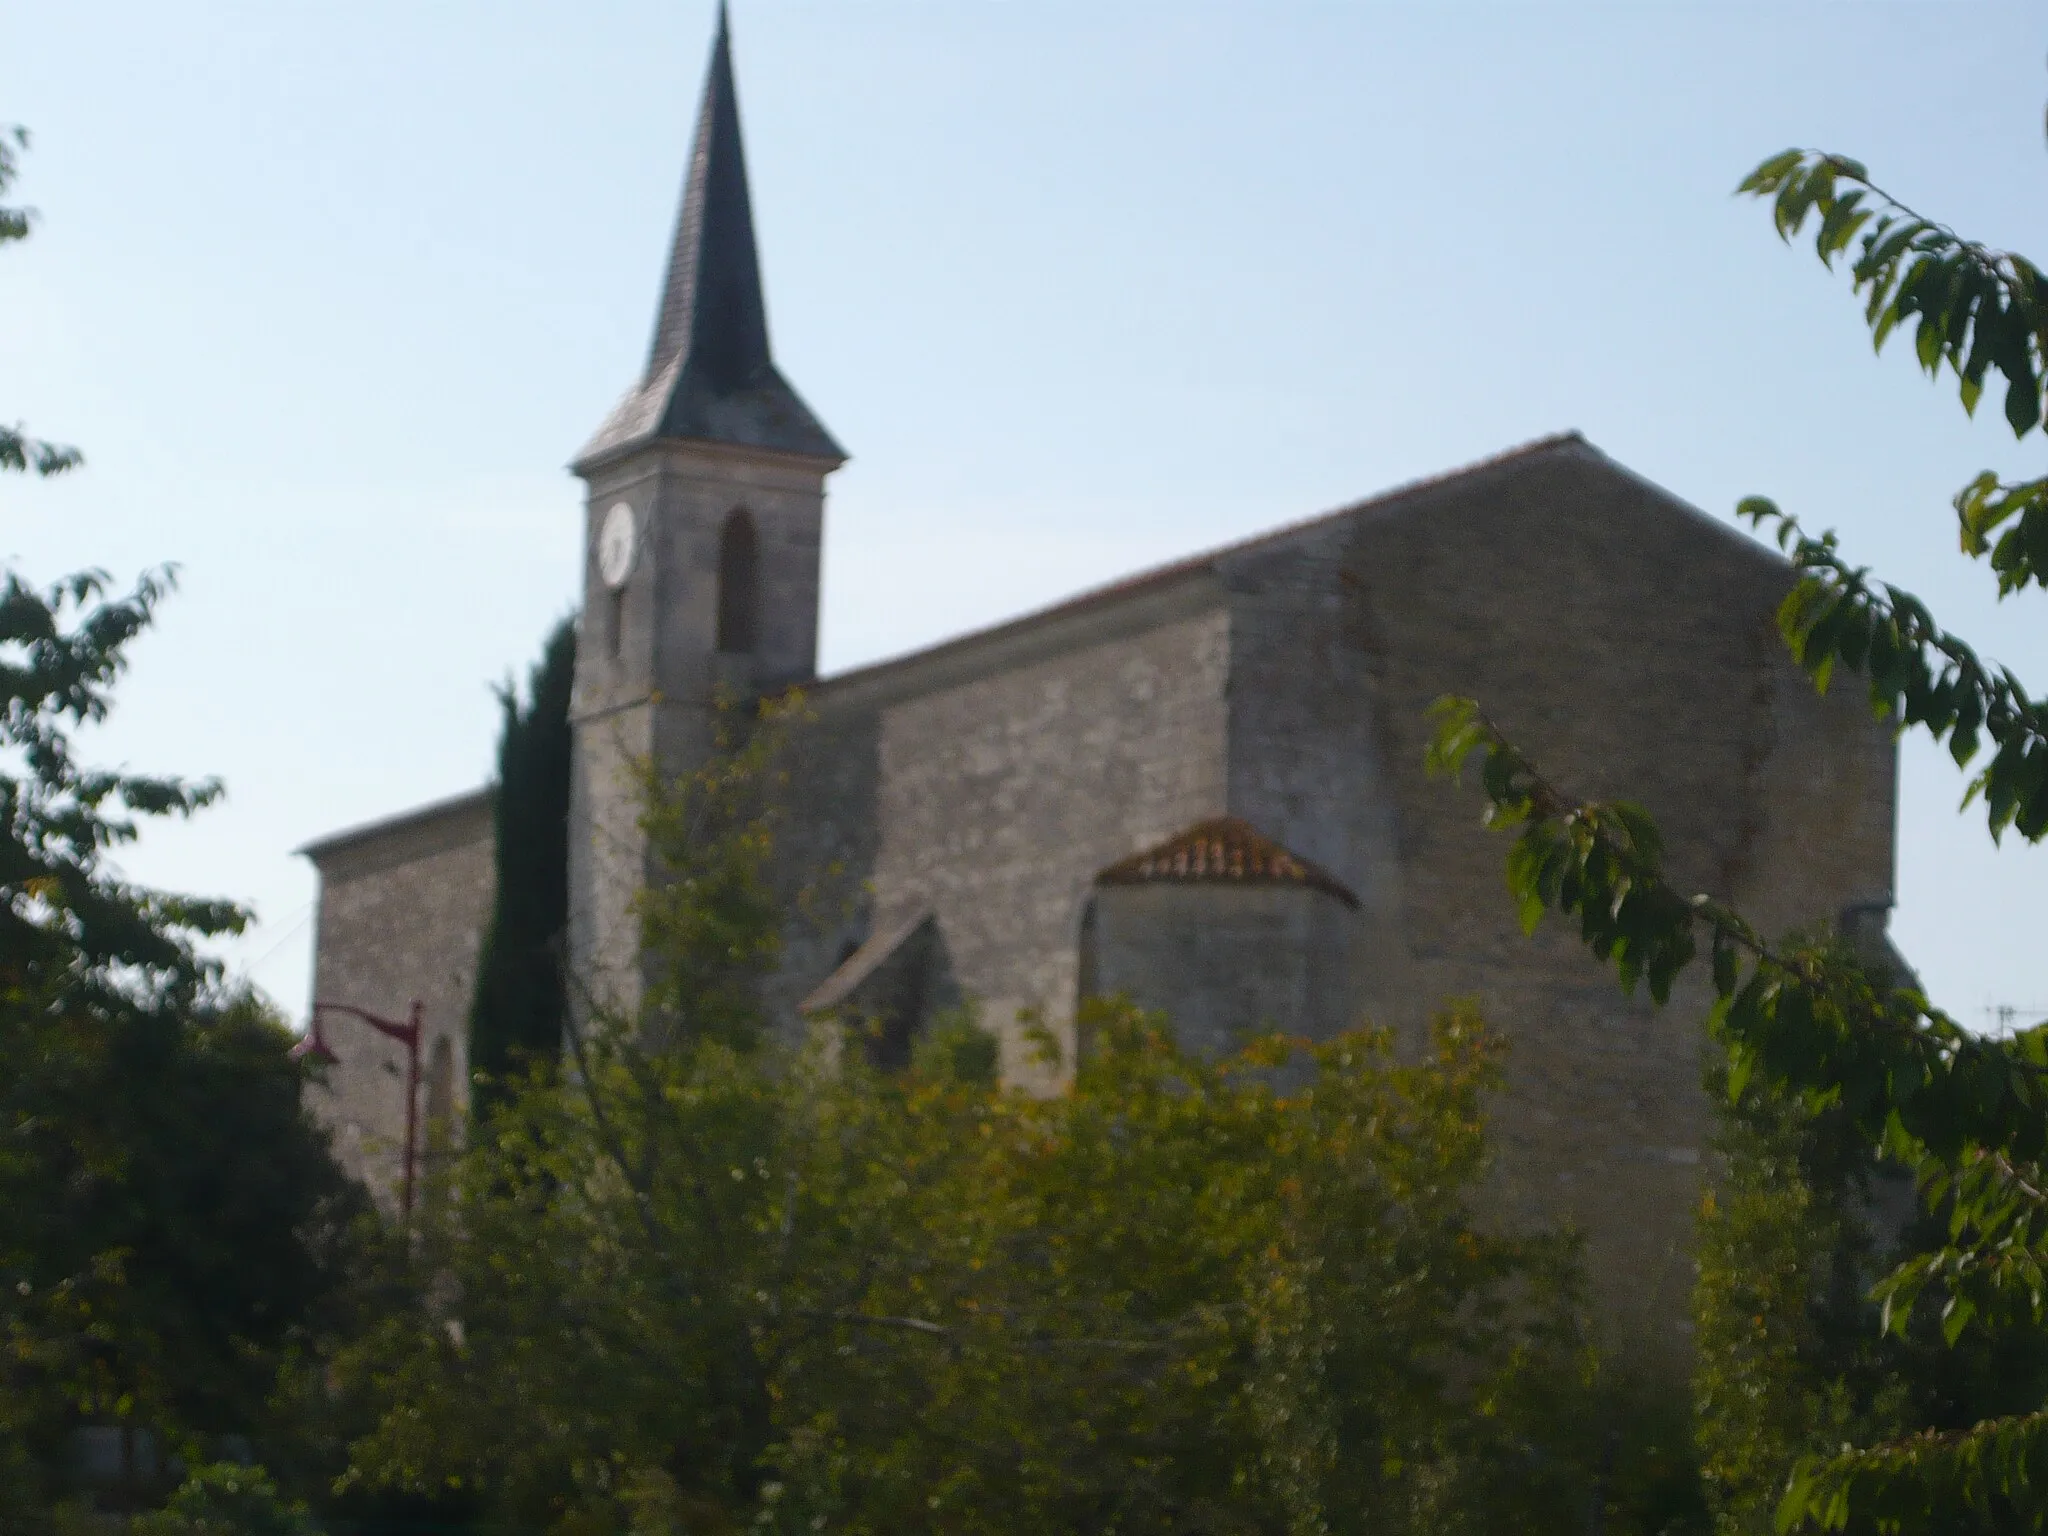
<point>1997,1212</point>
<point>1919,674</point>
<point>1807,1012</point>
<point>1918,1483</point>
<point>66,920</point>
<point>19,451</point>
<point>1968,1114</point>
<point>14,222</point>
<point>1977,310</point>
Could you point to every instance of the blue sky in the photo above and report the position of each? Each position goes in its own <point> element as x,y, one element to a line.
<point>330,293</point>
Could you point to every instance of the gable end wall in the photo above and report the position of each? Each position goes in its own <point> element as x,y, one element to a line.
<point>401,917</point>
<point>1624,640</point>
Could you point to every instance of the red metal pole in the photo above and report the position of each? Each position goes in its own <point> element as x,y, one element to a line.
<point>407,1034</point>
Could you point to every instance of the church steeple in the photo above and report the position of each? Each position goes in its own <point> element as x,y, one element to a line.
<point>710,376</point>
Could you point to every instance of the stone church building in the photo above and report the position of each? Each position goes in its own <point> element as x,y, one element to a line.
<point>1202,785</point>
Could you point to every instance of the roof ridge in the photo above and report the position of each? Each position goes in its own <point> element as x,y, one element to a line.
<point>1188,565</point>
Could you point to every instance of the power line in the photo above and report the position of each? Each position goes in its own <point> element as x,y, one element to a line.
<point>305,915</point>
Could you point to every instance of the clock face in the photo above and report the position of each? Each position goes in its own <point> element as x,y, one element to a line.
<point>616,540</point>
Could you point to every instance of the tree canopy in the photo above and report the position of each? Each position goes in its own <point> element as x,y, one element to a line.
<point>169,1214</point>
<point>710,1280</point>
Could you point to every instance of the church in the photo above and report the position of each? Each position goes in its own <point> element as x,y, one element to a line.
<point>1201,786</point>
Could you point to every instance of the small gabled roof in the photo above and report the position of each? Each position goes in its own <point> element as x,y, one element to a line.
<point>710,376</point>
<point>1225,850</point>
<point>858,968</point>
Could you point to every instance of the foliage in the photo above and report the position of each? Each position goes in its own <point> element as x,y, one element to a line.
<point>1968,1114</point>
<point>1919,674</point>
<point>18,450</point>
<point>1789,1362</point>
<point>71,928</point>
<point>168,1213</point>
<point>1792,1362</point>
<point>224,1500</point>
<point>699,1279</point>
<point>1179,1297</point>
<point>173,1218</point>
<point>1975,311</point>
<point>521,994</point>
<point>711,924</point>
<point>590,1227</point>
<point>156,1152</point>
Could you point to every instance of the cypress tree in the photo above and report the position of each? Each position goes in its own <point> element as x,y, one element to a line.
<point>521,998</point>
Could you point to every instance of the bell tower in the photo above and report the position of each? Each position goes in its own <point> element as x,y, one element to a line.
<point>704,511</point>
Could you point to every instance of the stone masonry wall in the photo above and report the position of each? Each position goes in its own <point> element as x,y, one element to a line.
<point>647,667</point>
<point>1222,960</point>
<point>1308,759</point>
<point>1624,639</point>
<point>825,847</point>
<point>402,913</point>
<point>998,795</point>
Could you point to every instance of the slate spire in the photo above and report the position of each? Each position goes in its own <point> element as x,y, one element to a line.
<point>710,376</point>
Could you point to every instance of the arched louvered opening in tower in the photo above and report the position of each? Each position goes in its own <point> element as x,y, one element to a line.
<point>739,585</point>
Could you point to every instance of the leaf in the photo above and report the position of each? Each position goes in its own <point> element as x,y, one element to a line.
<point>1727,970</point>
<point>2022,395</point>
<point>1771,173</point>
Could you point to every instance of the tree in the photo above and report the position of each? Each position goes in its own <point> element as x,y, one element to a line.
<point>521,998</point>
<point>1245,1294</point>
<point>224,1500</point>
<point>1969,1115</point>
<point>168,1212</point>
<point>1792,1361</point>
<point>1789,1362</point>
<point>696,1279</point>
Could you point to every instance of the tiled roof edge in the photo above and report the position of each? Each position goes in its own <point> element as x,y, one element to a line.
<point>1224,850</point>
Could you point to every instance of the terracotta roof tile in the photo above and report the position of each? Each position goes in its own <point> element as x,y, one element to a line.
<point>1224,850</point>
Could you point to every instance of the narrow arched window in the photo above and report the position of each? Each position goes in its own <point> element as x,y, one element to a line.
<point>739,580</point>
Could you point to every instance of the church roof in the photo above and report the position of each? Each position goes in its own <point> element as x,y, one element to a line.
<point>458,816</point>
<point>710,376</point>
<point>962,648</point>
<point>1225,850</point>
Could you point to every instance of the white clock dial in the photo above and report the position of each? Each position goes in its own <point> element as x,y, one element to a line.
<point>616,541</point>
